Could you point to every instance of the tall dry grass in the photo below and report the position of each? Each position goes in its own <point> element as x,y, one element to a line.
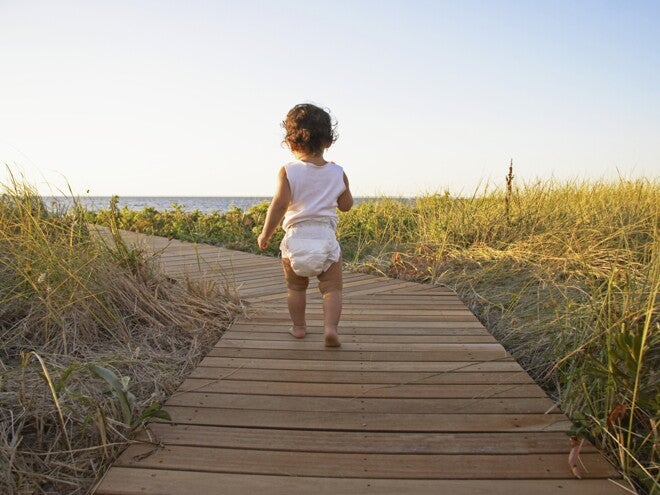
<point>92,339</point>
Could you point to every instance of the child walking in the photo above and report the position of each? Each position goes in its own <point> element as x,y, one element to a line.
<point>309,192</point>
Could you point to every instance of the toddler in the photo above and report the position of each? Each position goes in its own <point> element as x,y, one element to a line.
<point>309,191</point>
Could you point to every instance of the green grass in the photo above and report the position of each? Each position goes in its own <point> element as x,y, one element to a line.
<point>92,339</point>
<point>566,275</point>
<point>234,229</point>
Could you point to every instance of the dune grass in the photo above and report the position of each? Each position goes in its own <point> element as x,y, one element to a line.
<point>93,338</point>
<point>566,275</point>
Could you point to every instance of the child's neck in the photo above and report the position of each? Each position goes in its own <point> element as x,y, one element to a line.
<point>316,159</point>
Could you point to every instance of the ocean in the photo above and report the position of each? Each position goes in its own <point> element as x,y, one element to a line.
<point>205,204</point>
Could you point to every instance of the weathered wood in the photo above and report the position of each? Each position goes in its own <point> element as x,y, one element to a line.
<point>370,366</point>
<point>357,421</point>
<point>310,344</point>
<point>331,375</point>
<point>367,327</point>
<point>396,466</point>
<point>363,441</point>
<point>415,390</point>
<point>347,354</point>
<point>407,316</point>
<point>127,481</point>
<point>419,399</point>
<point>236,336</point>
<point>308,403</point>
<point>260,319</point>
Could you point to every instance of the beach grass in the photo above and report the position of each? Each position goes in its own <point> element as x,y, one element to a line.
<point>93,338</point>
<point>565,274</point>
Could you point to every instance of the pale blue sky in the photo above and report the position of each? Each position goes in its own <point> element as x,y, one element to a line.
<point>185,98</point>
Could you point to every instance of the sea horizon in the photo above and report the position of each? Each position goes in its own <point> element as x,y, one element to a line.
<point>203,204</point>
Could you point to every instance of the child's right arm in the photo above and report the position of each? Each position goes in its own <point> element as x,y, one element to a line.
<point>276,210</point>
<point>345,199</point>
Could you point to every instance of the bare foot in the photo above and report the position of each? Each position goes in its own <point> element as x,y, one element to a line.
<point>331,338</point>
<point>298,331</point>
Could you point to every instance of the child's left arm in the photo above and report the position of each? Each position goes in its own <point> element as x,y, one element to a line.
<point>276,210</point>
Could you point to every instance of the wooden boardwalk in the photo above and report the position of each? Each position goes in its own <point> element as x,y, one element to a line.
<point>420,399</point>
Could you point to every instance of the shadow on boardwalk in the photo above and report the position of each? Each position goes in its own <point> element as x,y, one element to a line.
<point>419,399</point>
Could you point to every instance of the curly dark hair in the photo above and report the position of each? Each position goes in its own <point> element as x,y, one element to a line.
<point>309,129</point>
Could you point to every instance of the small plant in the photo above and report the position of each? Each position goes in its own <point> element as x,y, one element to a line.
<point>127,401</point>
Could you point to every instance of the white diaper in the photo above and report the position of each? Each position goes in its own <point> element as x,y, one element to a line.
<point>311,246</point>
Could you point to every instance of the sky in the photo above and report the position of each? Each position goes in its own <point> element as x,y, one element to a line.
<point>167,98</point>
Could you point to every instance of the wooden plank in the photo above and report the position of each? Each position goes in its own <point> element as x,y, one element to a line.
<point>236,336</point>
<point>415,390</point>
<point>395,317</point>
<point>341,354</point>
<point>372,366</point>
<point>538,405</point>
<point>395,307</point>
<point>411,313</point>
<point>311,342</point>
<point>127,481</point>
<point>271,298</point>
<point>396,466</point>
<point>229,260</point>
<point>254,323</point>
<point>375,289</point>
<point>362,442</point>
<point>260,319</point>
<point>352,421</point>
<point>348,311</point>
<point>270,331</point>
<point>356,376</point>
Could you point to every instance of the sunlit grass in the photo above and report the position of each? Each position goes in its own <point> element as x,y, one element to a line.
<point>92,339</point>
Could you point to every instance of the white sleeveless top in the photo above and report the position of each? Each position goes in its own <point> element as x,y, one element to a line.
<point>314,192</point>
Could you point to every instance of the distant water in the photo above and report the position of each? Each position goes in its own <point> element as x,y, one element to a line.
<point>205,204</point>
<point>162,203</point>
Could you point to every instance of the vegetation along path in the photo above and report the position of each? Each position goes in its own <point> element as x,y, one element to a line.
<point>419,399</point>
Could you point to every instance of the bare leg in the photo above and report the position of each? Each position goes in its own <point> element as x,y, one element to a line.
<point>331,314</point>
<point>297,301</point>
